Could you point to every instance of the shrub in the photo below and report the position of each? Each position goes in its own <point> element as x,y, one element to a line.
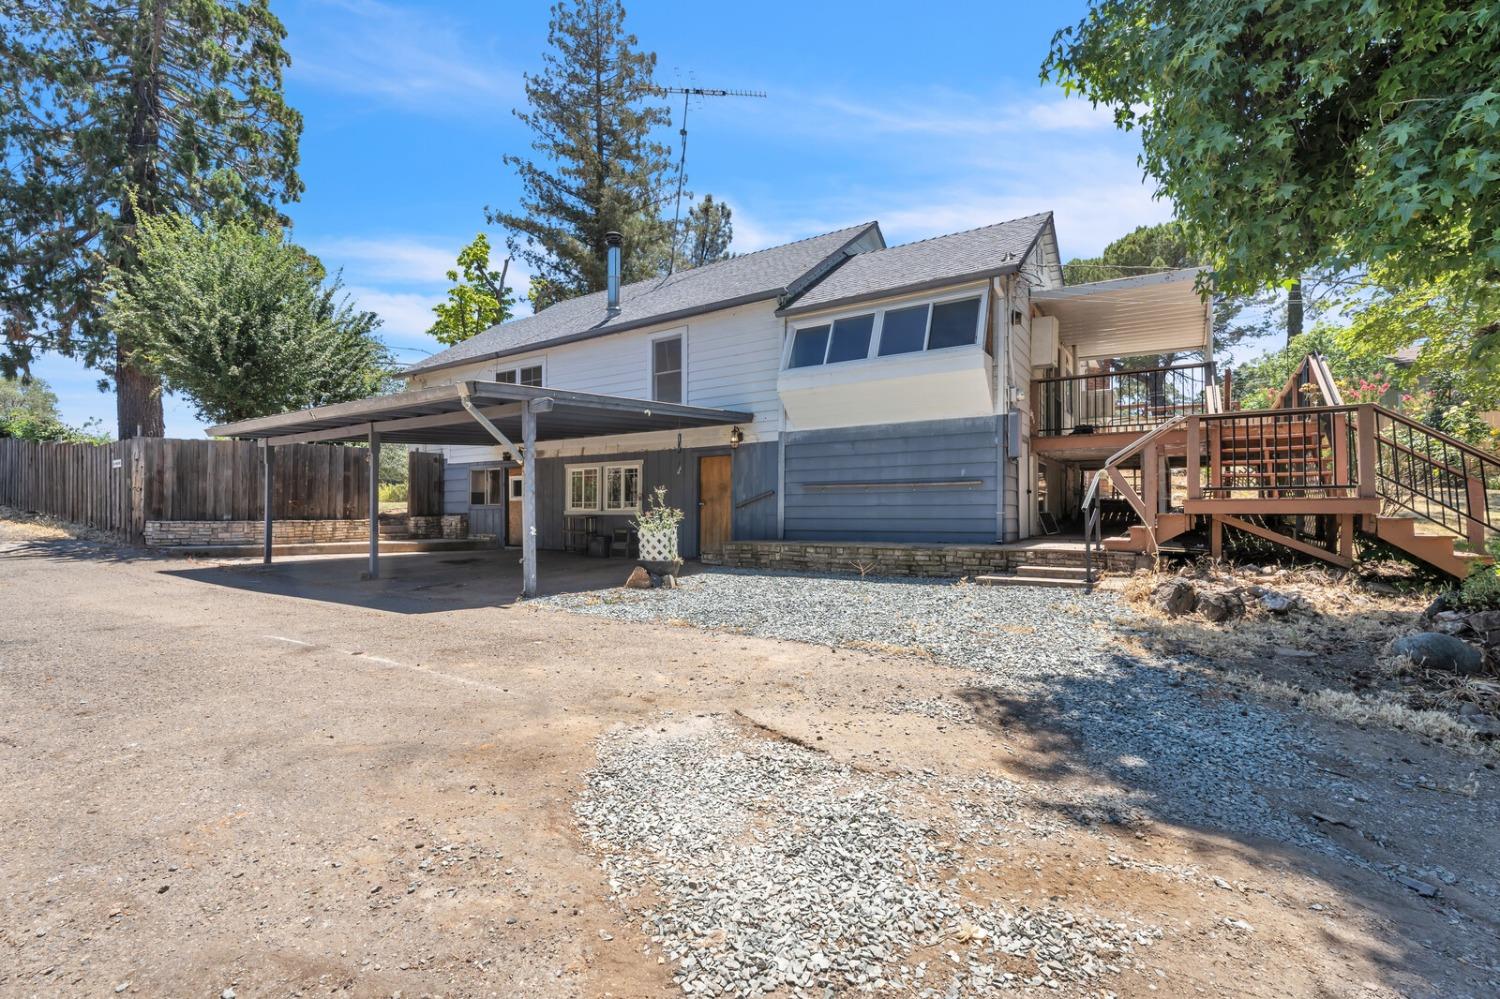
<point>394,492</point>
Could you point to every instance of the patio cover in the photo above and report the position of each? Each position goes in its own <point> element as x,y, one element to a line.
<point>437,416</point>
<point>1150,314</point>
<point>471,412</point>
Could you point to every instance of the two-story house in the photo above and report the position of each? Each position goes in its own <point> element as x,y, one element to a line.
<point>890,388</point>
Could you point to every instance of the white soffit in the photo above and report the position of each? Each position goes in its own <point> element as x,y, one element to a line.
<point>1151,314</point>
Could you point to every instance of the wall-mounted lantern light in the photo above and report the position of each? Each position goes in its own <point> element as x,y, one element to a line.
<point>736,437</point>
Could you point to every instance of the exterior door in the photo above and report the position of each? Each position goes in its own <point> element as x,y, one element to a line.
<point>714,503</point>
<point>513,506</point>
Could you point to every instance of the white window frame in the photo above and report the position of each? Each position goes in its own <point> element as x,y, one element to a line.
<point>568,506</point>
<point>878,333</point>
<point>535,362</point>
<point>516,487</point>
<point>679,332</point>
<point>601,472</point>
<point>622,467</point>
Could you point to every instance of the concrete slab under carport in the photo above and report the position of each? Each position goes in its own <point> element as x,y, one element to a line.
<point>417,583</point>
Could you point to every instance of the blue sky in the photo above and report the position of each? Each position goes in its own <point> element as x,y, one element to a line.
<point>930,119</point>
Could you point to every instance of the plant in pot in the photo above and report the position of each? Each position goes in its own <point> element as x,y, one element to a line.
<point>656,531</point>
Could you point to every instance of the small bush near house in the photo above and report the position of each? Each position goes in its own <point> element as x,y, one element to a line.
<point>394,492</point>
<point>1481,591</point>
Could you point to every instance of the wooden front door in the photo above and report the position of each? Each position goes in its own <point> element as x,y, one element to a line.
<point>714,502</point>
<point>513,506</point>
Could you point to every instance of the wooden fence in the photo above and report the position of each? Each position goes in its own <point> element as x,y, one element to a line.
<point>118,487</point>
<point>424,483</point>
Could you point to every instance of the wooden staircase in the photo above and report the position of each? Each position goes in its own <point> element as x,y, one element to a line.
<point>1308,473</point>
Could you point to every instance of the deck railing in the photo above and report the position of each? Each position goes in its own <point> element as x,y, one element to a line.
<point>1135,400</point>
<point>1280,453</point>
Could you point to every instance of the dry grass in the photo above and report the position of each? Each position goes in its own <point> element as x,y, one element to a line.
<point>16,525</point>
<point>1343,614</point>
<point>1346,628</point>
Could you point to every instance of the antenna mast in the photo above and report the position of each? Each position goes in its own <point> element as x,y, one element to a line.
<point>688,93</point>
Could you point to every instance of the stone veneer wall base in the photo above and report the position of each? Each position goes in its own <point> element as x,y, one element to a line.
<point>878,558</point>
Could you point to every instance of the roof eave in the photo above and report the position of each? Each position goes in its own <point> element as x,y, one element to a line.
<point>589,334</point>
<point>898,290</point>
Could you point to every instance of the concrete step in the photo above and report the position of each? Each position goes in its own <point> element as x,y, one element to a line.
<point>1067,584</point>
<point>1052,571</point>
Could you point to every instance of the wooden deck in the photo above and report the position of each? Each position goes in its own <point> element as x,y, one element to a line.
<point>1305,476</point>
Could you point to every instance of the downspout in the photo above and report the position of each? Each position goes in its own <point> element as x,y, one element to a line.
<point>464,390</point>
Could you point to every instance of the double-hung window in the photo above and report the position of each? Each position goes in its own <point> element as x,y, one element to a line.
<point>528,374</point>
<point>609,488</point>
<point>486,487</point>
<point>667,368</point>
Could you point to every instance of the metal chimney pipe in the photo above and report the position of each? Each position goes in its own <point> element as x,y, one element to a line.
<point>612,241</point>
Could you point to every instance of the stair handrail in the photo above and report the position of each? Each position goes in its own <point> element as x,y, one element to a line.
<point>1314,367</point>
<point>1093,534</point>
<point>1476,493</point>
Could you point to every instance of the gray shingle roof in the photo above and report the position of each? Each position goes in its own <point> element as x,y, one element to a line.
<point>942,260</point>
<point>769,273</point>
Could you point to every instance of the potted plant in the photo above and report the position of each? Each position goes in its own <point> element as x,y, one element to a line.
<point>656,532</point>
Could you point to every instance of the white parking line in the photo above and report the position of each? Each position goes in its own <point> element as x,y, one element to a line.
<point>383,661</point>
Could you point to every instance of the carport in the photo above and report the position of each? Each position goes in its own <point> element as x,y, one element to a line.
<point>470,412</point>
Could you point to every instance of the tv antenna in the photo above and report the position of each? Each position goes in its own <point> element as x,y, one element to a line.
<point>688,93</point>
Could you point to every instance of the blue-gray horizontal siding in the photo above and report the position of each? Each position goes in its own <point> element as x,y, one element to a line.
<point>936,481</point>
<point>753,471</point>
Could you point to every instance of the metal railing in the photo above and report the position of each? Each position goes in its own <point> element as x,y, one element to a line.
<point>1138,399</point>
<point>1436,476</point>
<point>1280,453</point>
<point>1093,533</point>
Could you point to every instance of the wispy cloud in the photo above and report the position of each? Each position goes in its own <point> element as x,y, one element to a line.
<point>422,60</point>
<point>395,259</point>
<point>955,115</point>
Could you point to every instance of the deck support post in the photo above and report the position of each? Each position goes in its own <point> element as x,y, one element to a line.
<point>1346,536</point>
<point>268,492</point>
<point>1194,459</point>
<point>1216,539</point>
<point>374,571</point>
<point>528,496</point>
<point>1364,451</point>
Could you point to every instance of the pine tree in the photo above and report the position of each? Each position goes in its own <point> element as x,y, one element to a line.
<point>113,111</point>
<point>706,234</point>
<point>592,110</point>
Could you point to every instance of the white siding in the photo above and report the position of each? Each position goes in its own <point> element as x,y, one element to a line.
<point>732,359</point>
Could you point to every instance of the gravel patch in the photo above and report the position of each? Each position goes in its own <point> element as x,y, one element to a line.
<point>1173,751</point>
<point>758,865</point>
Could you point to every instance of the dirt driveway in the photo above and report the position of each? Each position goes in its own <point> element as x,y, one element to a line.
<point>211,788</point>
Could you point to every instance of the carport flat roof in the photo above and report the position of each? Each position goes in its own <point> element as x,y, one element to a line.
<point>437,416</point>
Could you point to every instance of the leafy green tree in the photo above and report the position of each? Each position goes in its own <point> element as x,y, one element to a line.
<point>241,321</point>
<point>32,396</point>
<point>592,110</point>
<point>706,234</point>
<point>478,298</point>
<point>1352,138</point>
<point>177,102</point>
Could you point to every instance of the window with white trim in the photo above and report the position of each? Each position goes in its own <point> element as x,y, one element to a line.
<point>667,368</point>
<point>527,374</point>
<point>486,487</point>
<point>516,488</point>
<point>610,488</point>
<point>903,329</point>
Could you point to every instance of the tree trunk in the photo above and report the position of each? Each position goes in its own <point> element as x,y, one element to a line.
<point>138,394</point>
<point>1294,311</point>
<point>138,402</point>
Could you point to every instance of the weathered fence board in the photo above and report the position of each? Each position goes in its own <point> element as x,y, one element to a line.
<point>424,484</point>
<point>118,487</point>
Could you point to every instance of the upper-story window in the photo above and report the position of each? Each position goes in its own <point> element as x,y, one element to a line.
<point>900,330</point>
<point>528,374</point>
<point>666,368</point>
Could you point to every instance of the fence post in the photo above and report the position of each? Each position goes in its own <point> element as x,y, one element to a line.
<point>268,475</point>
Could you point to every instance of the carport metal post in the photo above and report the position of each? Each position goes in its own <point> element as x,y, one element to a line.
<point>374,571</point>
<point>528,493</point>
<point>268,472</point>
